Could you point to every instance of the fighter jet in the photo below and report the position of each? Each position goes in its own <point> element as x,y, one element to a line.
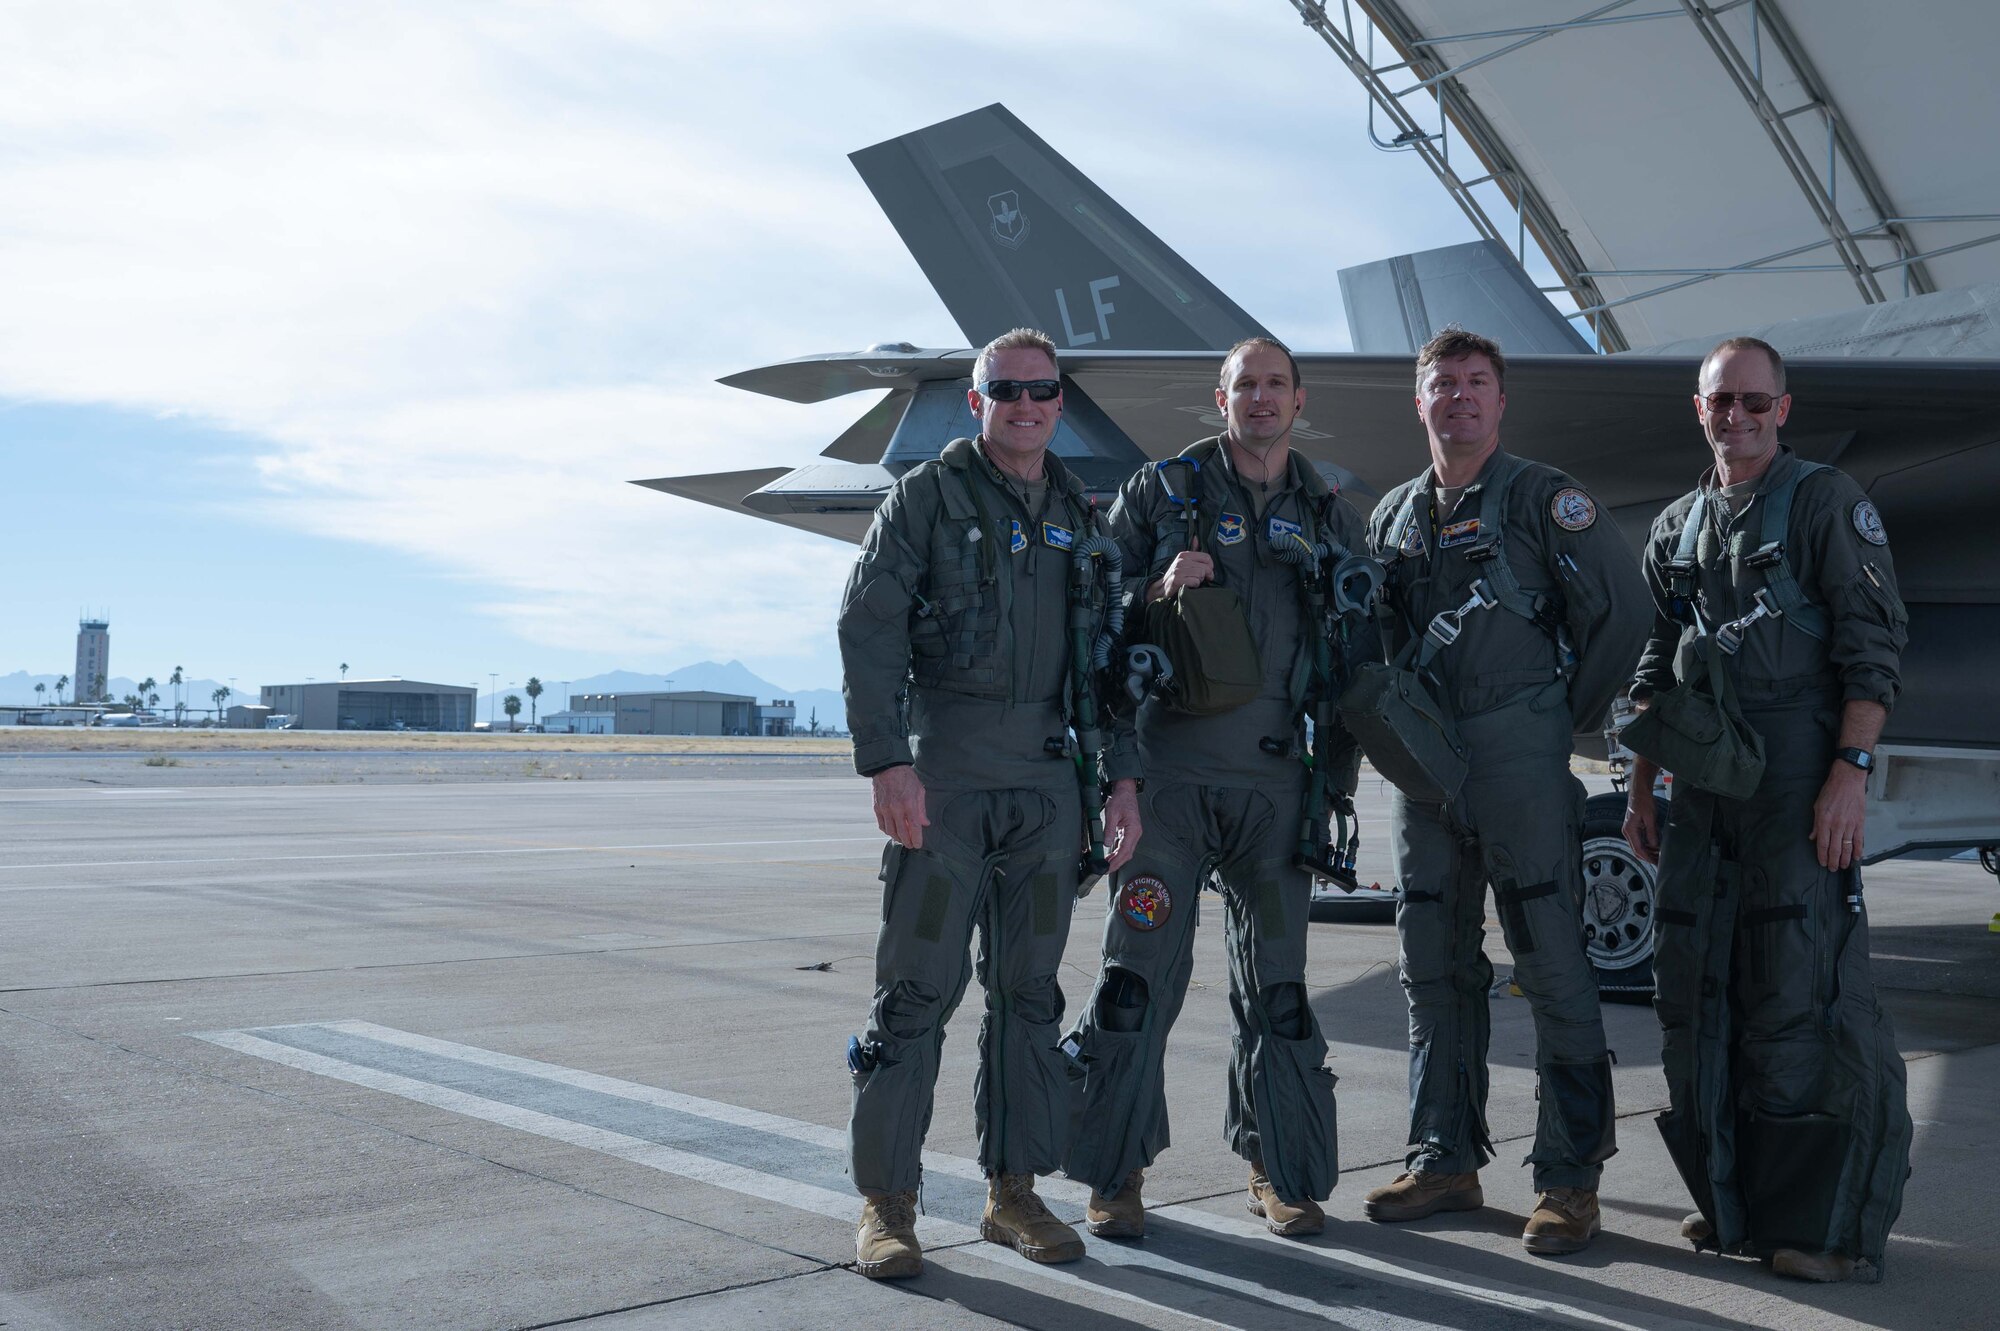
<point>1009,234</point>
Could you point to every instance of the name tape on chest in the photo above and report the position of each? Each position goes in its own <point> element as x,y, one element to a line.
<point>1057,538</point>
<point>1459,533</point>
<point>1278,531</point>
<point>1869,523</point>
<point>1229,529</point>
<point>1572,509</point>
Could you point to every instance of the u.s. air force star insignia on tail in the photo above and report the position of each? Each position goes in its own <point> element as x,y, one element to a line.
<point>1572,509</point>
<point>1869,523</point>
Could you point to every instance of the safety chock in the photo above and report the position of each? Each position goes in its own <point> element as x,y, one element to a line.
<point>1994,926</point>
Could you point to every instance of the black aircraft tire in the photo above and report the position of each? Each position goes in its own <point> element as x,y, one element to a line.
<point>1618,899</point>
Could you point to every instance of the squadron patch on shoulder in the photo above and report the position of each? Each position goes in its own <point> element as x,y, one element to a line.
<point>1229,528</point>
<point>1572,509</point>
<point>1057,538</point>
<point>1017,539</point>
<point>1145,903</point>
<point>1458,533</point>
<point>1869,523</point>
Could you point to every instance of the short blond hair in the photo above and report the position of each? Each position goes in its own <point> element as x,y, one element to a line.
<point>1268,343</point>
<point>1014,339</point>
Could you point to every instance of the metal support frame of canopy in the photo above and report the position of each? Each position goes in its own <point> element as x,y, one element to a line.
<point>1772,55</point>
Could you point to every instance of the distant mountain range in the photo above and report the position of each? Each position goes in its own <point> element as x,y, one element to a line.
<point>18,690</point>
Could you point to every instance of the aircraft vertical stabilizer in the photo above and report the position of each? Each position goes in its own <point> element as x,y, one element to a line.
<point>1010,235</point>
<point>1395,305</point>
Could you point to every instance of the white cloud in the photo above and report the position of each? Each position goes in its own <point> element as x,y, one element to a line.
<point>467,268</point>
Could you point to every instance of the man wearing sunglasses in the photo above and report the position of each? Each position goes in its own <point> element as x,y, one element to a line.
<point>1788,1116</point>
<point>1522,612</point>
<point>1224,793</point>
<point>955,638</point>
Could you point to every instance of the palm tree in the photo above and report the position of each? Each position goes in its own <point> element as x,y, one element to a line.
<point>40,689</point>
<point>534,691</point>
<point>512,706</point>
<point>219,697</point>
<point>147,685</point>
<point>61,684</point>
<point>343,670</point>
<point>175,680</point>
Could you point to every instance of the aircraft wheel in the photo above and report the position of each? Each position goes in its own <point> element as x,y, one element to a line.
<point>1618,901</point>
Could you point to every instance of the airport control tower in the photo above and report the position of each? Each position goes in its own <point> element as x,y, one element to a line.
<point>93,658</point>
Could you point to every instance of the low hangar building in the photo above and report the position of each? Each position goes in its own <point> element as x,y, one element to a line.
<point>372,704</point>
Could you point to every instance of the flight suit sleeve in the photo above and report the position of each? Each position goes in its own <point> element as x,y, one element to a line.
<point>1657,661</point>
<point>1127,525</point>
<point>1854,577</point>
<point>1606,606</point>
<point>883,592</point>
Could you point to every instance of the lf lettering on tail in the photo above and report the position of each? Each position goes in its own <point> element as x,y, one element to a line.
<point>1103,309</point>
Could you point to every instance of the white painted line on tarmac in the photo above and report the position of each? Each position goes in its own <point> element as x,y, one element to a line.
<point>1178,1283</point>
<point>436,854</point>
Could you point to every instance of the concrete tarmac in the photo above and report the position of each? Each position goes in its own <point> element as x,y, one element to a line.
<point>286,1049</point>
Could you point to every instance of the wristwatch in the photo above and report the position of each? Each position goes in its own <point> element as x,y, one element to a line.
<point>1861,758</point>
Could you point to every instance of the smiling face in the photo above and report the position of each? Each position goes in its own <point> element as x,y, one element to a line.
<point>1460,404</point>
<point>1743,442</point>
<point>1258,399</point>
<point>1020,429</point>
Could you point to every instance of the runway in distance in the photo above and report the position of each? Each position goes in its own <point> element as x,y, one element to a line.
<point>1009,233</point>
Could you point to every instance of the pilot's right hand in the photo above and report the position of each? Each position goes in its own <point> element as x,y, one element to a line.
<point>899,805</point>
<point>1190,568</point>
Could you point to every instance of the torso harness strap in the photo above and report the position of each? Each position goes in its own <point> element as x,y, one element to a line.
<point>1780,597</point>
<point>1497,588</point>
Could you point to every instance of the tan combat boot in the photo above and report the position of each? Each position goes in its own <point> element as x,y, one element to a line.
<point>1412,1196</point>
<point>1016,1218</point>
<point>885,1247</point>
<point>1290,1219</point>
<point>1565,1220</point>
<point>1122,1215</point>
<point>1827,1267</point>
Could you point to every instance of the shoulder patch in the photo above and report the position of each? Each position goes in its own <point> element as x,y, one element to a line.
<point>1572,509</point>
<point>1869,523</point>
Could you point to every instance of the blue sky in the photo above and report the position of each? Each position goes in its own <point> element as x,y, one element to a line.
<point>335,333</point>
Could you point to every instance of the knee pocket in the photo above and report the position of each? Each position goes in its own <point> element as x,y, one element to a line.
<point>1122,997</point>
<point>1286,1010</point>
<point>910,1010</point>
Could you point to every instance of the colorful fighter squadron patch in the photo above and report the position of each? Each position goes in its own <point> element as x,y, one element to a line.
<point>1018,539</point>
<point>1280,532</point>
<point>1229,529</point>
<point>1573,510</point>
<point>1144,903</point>
<point>1057,538</point>
<point>1869,523</point>
<point>1412,543</point>
<point>1459,533</point>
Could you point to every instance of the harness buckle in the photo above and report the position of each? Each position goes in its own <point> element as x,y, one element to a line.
<point>1729,637</point>
<point>1446,625</point>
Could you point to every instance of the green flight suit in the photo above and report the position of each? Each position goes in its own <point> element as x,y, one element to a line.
<point>1787,1117</point>
<point>1217,799</point>
<point>1518,689</point>
<point>958,605</point>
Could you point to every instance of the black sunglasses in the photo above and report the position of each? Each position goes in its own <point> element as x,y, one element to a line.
<point>1010,390</point>
<point>1754,403</point>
